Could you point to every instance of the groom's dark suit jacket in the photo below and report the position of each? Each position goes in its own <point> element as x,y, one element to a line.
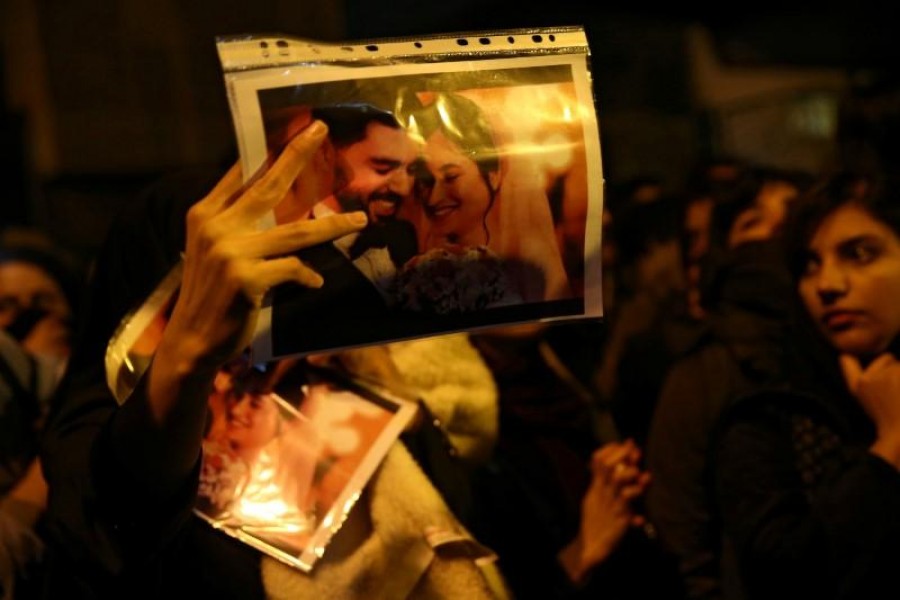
<point>347,310</point>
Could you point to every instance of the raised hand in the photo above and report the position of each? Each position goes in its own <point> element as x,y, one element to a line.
<point>229,265</point>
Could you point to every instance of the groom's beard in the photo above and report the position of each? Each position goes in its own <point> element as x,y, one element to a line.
<point>379,205</point>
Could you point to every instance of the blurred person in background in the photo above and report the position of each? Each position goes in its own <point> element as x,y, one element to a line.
<point>38,291</point>
<point>746,308</point>
<point>649,285</point>
<point>561,476</point>
<point>806,475</point>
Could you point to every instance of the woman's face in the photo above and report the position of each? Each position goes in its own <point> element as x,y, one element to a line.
<point>252,421</point>
<point>458,198</point>
<point>851,284</point>
<point>24,286</point>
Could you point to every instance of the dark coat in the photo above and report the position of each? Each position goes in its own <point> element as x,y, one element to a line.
<point>108,535</point>
<point>742,351</point>
<point>809,511</point>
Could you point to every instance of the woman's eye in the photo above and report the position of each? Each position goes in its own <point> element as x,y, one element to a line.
<point>810,266</point>
<point>451,177</point>
<point>863,253</point>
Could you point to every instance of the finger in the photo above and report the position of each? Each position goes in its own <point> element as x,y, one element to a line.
<point>634,455</point>
<point>633,452</point>
<point>852,371</point>
<point>631,492</point>
<point>623,474</point>
<point>882,362</point>
<point>604,451</point>
<point>289,237</point>
<point>267,274</point>
<point>618,455</point>
<point>272,187</point>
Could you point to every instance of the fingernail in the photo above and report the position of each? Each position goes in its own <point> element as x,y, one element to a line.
<point>317,129</point>
<point>358,218</point>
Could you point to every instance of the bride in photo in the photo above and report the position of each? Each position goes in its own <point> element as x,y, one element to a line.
<point>480,203</point>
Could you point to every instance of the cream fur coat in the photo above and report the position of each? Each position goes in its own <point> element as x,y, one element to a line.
<point>386,550</point>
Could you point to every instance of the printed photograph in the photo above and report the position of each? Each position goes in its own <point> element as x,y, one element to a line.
<point>288,446</point>
<point>283,474</point>
<point>479,186</point>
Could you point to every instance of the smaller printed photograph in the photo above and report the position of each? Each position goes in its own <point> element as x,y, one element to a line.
<point>288,446</point>
<point>282,475</point>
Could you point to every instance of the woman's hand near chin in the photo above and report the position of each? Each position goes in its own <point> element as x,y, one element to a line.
<point>877,387</point>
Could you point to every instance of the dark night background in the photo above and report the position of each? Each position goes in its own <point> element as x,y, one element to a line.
<point>101,96</point>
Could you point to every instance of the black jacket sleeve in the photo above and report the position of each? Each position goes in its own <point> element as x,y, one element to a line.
<point>810,514</point>
<point>100,521</point>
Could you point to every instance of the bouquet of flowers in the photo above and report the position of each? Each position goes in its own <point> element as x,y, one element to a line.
<point>452,280</point>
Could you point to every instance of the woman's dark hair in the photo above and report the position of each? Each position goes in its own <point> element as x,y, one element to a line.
<point>877,194</point>
<point>347,123</point>
<point>347,107</point>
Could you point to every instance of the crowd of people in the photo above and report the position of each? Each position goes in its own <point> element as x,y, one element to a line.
<point>727,431</point>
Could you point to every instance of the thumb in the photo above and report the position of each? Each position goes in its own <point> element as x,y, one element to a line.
<point>852,371</point>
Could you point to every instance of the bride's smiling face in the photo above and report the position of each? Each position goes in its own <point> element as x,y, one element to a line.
<point>252,422</point>
<point>455,195</point>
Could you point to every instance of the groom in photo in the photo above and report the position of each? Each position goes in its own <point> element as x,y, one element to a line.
<point>369,159</point>
<point>374,158</point>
